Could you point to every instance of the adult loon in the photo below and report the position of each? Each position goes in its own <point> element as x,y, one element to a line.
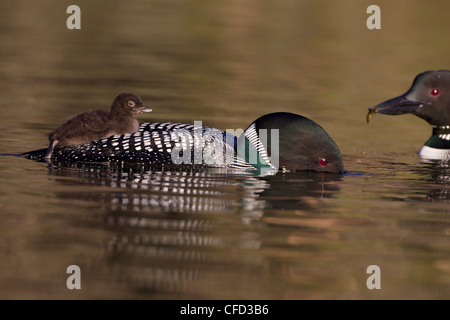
<point>274,141</point>
<point>429,99</point>
<point>99,124</point>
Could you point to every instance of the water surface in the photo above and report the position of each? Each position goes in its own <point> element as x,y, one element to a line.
<point>218,234</point>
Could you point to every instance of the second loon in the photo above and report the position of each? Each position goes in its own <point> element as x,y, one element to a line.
<point>280,140</point>
<point>429,99</point>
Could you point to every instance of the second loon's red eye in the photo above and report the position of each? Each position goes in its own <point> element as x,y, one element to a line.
<point>323,162</point>
<point>435,91</point>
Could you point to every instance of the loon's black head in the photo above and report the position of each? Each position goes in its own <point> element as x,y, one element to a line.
<point>298,143</point>
<point>128,104</point>
<point>428,98</point>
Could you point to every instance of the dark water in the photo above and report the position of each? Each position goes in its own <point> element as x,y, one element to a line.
<point>215,234</point>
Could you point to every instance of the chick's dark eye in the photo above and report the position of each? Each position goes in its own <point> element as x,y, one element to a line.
<point>435,91</point>
<point>323,162</point>
<point>130,103</point>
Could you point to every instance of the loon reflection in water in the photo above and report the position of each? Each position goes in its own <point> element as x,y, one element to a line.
<point>166,218</point>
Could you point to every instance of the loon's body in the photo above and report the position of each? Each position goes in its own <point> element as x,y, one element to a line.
<point>154,143</point>
<point>274,141</point>
<point>99,124</point>
<point>429,99</point>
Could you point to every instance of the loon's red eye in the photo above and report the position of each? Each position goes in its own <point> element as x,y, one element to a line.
<point>323,162</point>
<point>435,91</point>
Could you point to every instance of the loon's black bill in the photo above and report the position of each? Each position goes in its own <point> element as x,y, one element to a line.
<point>396,106</point>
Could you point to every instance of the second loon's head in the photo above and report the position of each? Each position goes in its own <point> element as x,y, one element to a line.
<point>428,98</point>
<point>290,141</point>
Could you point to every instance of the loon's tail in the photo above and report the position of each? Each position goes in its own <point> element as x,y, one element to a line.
<point>12,155</point>
<point>32,155</point>
<point>35,154</point>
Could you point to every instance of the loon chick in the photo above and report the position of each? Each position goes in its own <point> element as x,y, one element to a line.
<point>429,99</point>
<point>274,141</point>
<point>99,124</point>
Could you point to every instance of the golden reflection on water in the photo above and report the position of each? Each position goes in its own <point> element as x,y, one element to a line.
<point>153,234</point>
